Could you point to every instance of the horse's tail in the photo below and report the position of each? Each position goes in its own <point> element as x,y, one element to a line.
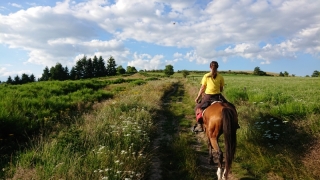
<point>230,138</point>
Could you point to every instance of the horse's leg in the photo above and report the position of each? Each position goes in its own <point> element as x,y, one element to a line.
<point>215,145</point>
<point>220,160</point>
<point>210,153</point>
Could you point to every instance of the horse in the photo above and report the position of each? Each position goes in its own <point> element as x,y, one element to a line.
<point>221,118</point>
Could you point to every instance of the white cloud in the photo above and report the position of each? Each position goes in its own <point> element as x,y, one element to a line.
<point>146,61</point>
<point>15,5</point>
<point>4,72</point>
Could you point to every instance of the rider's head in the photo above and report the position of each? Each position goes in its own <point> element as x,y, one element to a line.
<point>214,66</point>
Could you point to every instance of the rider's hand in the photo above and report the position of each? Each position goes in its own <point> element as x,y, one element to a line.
<point>197,100</point>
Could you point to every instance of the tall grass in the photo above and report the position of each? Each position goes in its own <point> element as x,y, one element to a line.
<point>111,143</point>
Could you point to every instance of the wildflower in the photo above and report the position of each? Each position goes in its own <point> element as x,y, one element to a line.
<point>101,147</point>
<point>105,178</point>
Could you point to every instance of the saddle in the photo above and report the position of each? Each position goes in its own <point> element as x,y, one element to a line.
<point>201,110</point>
<point>213,99</point>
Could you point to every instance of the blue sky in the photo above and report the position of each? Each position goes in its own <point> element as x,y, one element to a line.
<point>277,35</point>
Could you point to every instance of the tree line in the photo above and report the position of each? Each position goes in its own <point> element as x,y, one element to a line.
<point>258,71</point>
<point>85,68</point>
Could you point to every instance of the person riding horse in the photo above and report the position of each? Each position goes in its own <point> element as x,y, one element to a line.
<point>212,84</point>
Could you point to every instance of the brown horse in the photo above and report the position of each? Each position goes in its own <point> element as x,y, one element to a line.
<point>221,118</point>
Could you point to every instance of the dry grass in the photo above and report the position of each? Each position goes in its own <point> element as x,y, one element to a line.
<point>312,159</point>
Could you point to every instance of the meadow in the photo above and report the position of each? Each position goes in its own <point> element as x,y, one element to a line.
<point>104,128</point>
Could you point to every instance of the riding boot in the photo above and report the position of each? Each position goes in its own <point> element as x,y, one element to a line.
<point>198,127</point>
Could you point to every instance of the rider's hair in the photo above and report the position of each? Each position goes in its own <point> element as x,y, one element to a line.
<point>214,63</point>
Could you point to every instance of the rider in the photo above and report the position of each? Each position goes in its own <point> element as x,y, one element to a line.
<point>211,87</point>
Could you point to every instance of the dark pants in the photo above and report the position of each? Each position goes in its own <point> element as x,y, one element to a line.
<point>207,99</point>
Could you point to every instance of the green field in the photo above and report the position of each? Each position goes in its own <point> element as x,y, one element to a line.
<point>104,128</point>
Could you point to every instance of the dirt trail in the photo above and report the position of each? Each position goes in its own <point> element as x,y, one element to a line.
<point>204,157</point>
<point>155,169</point>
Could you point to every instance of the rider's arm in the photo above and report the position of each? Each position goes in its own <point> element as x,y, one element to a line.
<point>202,89</point>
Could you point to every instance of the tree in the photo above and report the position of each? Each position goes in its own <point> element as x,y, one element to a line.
<point>185,73</point>
<point>286,74</point>
<point>58,72</point>
<point>79,67</point>
<point>95,66</point>
<point>32,78</point>
<point>46,74</point>
<point>256,70</point>
<point>111,67</point>
<point>168,70</point>
<point>121,70</point>
<point>88,69</point>
<point>24,78</point>
<point>17,80</point>
<point>315,74</point>
<point>73,74</point>
<point>66,73</point>
<point>281,74</point>
<point>9,80</point>
<point>101,68</point>
<point>131,70</point>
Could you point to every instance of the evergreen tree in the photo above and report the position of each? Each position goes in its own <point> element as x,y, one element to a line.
<point>101,68</point>
<point>95,66</point>
<point>24,78</point>
<point>32,78</point>
<point>66,73</point>
<point>46,74</point>
<point>80,66</point>
<point>9,80</point>
<point>111,67</point>
<point>17,80</point>
<point>73,74</point>
<point>89,68</point>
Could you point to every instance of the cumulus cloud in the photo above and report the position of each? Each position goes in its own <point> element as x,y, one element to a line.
<point>256,30</point>
<point>146,61</point>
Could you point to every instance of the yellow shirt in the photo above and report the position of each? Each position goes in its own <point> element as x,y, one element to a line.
<point>212,85</point>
